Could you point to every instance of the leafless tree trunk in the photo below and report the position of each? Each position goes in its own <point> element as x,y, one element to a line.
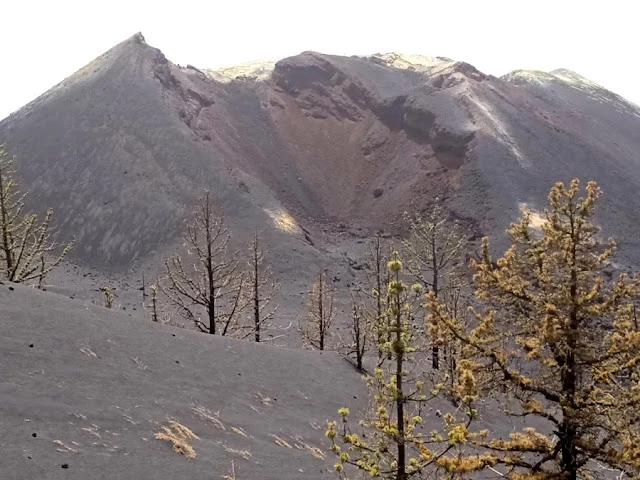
<point>213,286</point>
<point>322,312</point>
<point>377,275</point>
<point>262,287</point>
<point>144,289</point>
<point>357,345</point>
<point>154,303</point>
<point>455,305</point>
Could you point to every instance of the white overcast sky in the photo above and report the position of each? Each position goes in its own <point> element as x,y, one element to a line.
<point>44,41</point>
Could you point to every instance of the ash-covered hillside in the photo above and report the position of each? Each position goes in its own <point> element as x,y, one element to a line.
<point>317,151</point>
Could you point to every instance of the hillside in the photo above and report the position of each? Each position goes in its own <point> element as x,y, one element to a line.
<point>89,387</point>
<point>316,151</point>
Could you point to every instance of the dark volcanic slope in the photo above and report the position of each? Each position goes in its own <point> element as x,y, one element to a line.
<point>89,387</point>
<point>121,148</point>
<point>111,152</point>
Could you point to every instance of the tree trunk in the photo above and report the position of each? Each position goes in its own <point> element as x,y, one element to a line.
<point>211,307</point>
<point>435,351</point>
<point>402,471</point>
<point>568,430</point>
<point>256,293</point>
<point>379,265</point>
<point>567,438</point>
<point>212,314</point>
<point>359,340</point>
<point>567,435</point>
<point>321,312</point>
<point>5,228</point>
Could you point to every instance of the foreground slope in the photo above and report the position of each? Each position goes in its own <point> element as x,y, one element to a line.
<point>88,387</point>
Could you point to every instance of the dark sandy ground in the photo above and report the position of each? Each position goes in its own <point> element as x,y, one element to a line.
<point>88,387</point>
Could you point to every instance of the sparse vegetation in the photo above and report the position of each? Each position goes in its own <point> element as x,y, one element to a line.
<point>107,297</point>
<point>25,243</point>
<point>232,472</point>
<point>154,302</point>
<point>377,276</point>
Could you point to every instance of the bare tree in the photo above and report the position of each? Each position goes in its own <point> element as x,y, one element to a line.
<point>25,243</point>
<point>213,286</point>
<point>433,250</point>
<point>357,346</point>
<point>455,304</point>
<point>262,287</point>
<point>321,314</point>
<point>378,278</point>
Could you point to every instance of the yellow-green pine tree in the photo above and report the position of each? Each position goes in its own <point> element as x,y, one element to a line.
<point>25,243</point>
<point>562,340</point>
<point>392,443</point>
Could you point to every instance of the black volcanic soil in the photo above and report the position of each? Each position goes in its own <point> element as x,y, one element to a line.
<point>86,387</point>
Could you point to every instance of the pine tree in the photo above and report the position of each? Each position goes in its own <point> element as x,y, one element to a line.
<point>377,277</point>
<point>25,243</point>
<point>262,287</point>
<point>316,330</point>
<point>392,443</point>
<point>357,345</point>
<point>433,251</point>
<point>455,303</point>
<point>214,286</point>
<point>562,340</point>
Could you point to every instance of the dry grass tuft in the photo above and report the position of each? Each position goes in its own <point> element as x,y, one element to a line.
<point>65,448</point>
<point>238,431</point>
<point>266,401</point>
<point>209,416</point>
<point>139,363</point>
<point>300,444</point>
<point>246,454</point>
<point>87,351</point>
<point>179,436</point>
<point>280,442</point>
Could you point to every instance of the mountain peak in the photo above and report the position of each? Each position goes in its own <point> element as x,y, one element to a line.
<point>573,80</point>
<point>137,38</point>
